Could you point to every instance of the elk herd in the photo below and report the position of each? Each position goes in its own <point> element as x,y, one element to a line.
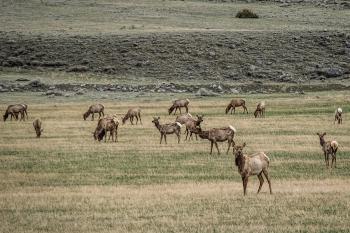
<point>248,165</point>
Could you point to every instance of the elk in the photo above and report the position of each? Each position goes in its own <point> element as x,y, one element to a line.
<point>14,110</point>
<point>95,108</point>
<point>191,126</point>
<point>260,109</point>
<point>132,112</point>
<point>178,104</point>
<point>182,119</point>
<point>103,126</point>
<point>169,128</point>
<point>218,135</point>
<point>256,164</point>
<point>338,116</point>
<point>37,127</point>
<point>236,103</point>
<point>328,148</point>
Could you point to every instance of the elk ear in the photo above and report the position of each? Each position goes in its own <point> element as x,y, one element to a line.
<point>158,118</point>
<point>324,133</point>
<point>318,134</point>
<point>244,144</point>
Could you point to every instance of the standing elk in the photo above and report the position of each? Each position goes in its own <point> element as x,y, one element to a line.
<point>236,103</point>
<point>14,110</point>
<point>178,104</point>
<point>132,112</point>
<point>192,125</point>
<point>328,148</point>
<point>37,127</point>
<point>95,108</point>
<point>169,128</point>
<point>260,109</point>
<point>251,165</point>
<point>218,135</point>
<point>103,126</point>
<point>338,116</point>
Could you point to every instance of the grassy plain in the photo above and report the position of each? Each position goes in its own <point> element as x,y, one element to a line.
<point>66,182</point>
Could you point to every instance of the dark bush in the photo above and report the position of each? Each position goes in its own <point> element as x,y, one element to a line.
<point>246,13</point>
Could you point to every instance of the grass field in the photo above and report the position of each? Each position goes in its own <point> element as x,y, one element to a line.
<point>66,182</point>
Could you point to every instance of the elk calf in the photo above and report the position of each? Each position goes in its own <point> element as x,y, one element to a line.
<point>178,104</point>
<point>338,116</point>
<point>132,112</point>
<point>37,127</point>
<point>236,103</point>
<point>256,164</point>
<point>169,128</point>
<point>260,109</point>
<point>95,108</point>
<point>328,148</point>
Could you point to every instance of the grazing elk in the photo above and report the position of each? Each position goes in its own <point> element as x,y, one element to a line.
<point>103,126</point>
<point>256,164</point>
<point>328,148</point>
<point>260,109</point>
<point>236,103</point>
<point>178,104</point>
<point>95,108</point>
<point>338,116</point>
<point>14,110</point>
<point>37,127</point>
<point>169,128</point>
<point>218,135</point>
<point>192,125</point>
<point>132,112</point>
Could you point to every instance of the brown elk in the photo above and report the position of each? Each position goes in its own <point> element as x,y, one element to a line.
<point>169,128</point>
<point>218,135</point>
<point>103,126</point>
<point>95,108</point>
<point>178,104</point>
<point>338,116</point>
<point>236,103</point>
<point>132,112</point>
<point>192,125</point>
<point>37,127</point>
<point>256,164</point>
<point>182,119</point>
<point>260,109</point>
<point>14,110</point>
<point>328,148</point>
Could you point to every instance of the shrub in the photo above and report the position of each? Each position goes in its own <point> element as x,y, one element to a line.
<point>246,13</point>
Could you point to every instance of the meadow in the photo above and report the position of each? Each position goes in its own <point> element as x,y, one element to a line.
<point>67,182</point>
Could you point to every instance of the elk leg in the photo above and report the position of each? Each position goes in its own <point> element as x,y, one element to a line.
<point>137,119</point>
<point>161,138</point>
<point>261,179</point>
<point>186,134</point>
<point>245,182</point>
<point>93,116</point>
<point>266,173</point>
<point>140,119</point>
<point>211,147</point>
<point>196,137</point>
<point>175,110</point>
<point>229,146</point>
<point>165,139</point>
<point>178,137</point>
<point>186,109</point>
<point>180,110</point>
<point>216,145</point>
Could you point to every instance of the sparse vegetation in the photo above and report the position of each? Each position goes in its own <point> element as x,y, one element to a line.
<point>246,13</point>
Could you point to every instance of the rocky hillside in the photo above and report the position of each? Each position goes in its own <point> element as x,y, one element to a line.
<point>278,57</point>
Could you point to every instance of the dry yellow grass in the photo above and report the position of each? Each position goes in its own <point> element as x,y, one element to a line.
<point>66,182</point>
